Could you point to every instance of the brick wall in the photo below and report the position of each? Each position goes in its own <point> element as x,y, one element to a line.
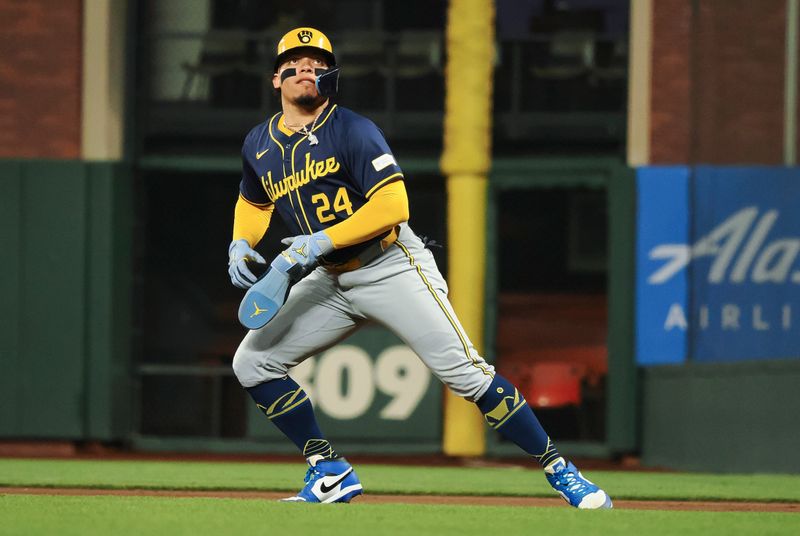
<point>739,81</point>
<point>40,78</point>
<point>670,111</point>
<point>717,81</point>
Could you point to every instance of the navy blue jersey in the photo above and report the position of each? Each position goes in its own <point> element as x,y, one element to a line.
<point>316,186</point>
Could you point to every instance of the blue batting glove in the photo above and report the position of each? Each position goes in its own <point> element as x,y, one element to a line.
<point>239,252</point>
<point>307,249</point>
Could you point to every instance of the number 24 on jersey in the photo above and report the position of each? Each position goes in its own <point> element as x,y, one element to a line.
<point>341,203</point>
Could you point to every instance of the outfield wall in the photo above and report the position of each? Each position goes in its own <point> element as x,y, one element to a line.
<point>717,392</point>
<point>65,234</point>
<point>722,417</point>
<point>717,329</point>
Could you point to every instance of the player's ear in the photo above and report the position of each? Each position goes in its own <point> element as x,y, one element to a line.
<point>276,81</point>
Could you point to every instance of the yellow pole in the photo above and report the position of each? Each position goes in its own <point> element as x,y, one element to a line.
<point>465,161</point>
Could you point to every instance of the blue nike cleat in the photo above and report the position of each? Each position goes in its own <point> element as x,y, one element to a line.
<point>328,481</point>
<point>576,490</point>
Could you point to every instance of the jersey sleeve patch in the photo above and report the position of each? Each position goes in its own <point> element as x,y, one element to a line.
<point>383,161</point>
<point>366,155</point>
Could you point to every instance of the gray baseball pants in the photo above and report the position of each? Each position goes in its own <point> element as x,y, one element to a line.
<point>401,290</point>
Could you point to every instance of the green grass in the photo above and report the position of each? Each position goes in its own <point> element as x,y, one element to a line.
<point>389,479</point>
<point>99,515</point>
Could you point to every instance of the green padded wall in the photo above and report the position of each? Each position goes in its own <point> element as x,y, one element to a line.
<point>65,234</point>
<point>722,417</point>
<point>623,415</point>
<point>10,293</point>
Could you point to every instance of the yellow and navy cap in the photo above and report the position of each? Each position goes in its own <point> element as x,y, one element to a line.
<point>304,38</point>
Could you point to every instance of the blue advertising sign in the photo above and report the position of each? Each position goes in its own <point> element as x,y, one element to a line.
<point>663,229</point>
<point>719,265</point>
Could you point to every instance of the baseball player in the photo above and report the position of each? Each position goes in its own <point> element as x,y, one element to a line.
<point>330,175</point>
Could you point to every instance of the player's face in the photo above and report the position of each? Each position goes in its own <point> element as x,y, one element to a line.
<point>300,88</point>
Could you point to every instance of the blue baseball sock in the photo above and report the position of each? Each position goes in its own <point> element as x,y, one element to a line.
<point>506,411</point>
<point>289,408</point>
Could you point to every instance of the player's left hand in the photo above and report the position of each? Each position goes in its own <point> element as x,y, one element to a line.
<point>239,252</point>
<point>307,249</point>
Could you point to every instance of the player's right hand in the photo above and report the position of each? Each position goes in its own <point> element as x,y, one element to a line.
<point>239,252</point>
<point>286,264</point>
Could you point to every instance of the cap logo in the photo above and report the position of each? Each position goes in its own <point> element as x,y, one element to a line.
<point>304,36</point>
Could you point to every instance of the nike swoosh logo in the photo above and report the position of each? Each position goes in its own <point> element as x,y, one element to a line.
<point>325,489</point>
<point>262,153</point>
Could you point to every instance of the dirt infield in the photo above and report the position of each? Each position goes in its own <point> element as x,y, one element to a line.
<point>700,506</point>
<point>100,452</point>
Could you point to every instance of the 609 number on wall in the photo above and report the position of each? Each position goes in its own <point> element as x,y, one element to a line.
<point>344,382</point>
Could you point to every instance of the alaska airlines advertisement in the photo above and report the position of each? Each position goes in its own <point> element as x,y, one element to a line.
<point>718,275</point>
